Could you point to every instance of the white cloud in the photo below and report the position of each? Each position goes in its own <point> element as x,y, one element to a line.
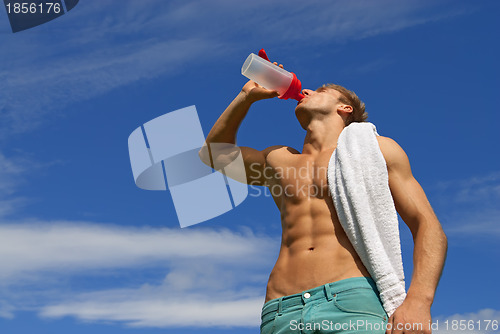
<point>11,168</point>
<point>6,310</point>
<point>194,294</point>
<point>9,206</point>
<point>469,207</point>
<point>13,172</point>
<point>26,248</point>
<point>483,321</point>
<point>32,92</point>
<point>473,189</point>
<point>190,311</point>
<point>209,276</point>
<point>476,223</point>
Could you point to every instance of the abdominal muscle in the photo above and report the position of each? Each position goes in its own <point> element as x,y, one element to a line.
<point>314,248</point>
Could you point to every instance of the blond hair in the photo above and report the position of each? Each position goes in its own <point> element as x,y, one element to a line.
<point>348,97</point>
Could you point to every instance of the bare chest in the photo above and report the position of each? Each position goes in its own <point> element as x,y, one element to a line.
<point>298,175</point>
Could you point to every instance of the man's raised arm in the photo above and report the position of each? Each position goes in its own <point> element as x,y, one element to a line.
<point>225,130</point>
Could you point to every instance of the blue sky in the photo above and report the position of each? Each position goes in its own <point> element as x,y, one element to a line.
<point>83,249</point>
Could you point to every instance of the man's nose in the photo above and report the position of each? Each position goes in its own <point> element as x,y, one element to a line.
<point>306,92</point>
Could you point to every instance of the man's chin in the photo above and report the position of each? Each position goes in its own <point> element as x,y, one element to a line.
<point>299,108</point>
<point>301,117</point>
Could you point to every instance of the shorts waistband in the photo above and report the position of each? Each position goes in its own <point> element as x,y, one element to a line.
<point>326,291</point>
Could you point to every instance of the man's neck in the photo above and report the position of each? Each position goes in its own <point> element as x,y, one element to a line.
<point>322,134</point>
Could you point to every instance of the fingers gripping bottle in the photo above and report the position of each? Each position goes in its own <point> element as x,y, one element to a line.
<point>262,71</point>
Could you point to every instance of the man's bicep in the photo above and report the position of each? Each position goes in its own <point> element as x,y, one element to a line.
<point>410,201</point>
<point>409,197</point>
<point>255,163</point>
<point>257,171</point>
<point>221,155</point>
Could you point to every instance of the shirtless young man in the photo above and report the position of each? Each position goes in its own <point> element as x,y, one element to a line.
<point>315,250</point>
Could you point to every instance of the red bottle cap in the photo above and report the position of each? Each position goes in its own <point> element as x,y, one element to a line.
<point>293,91</point>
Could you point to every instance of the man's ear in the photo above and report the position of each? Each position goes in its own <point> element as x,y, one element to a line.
<point>344,109</point>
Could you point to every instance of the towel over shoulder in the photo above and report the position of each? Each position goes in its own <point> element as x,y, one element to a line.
<point>358,181</point>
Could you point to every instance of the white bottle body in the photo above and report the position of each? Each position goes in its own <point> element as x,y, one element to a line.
<point>266,74</point>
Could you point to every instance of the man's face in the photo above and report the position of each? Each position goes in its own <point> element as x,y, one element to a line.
<point>321,101</point>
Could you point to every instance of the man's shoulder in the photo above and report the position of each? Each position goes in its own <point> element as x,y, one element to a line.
<point>386,142</point>
<point>281,149</point>
<point>392,152</point>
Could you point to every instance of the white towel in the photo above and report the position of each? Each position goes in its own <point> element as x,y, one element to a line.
<point>359,184</point>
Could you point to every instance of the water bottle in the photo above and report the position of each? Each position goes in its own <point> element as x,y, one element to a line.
<point>262,71</point>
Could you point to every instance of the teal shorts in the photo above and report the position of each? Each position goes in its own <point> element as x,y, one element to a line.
<point>351,305</point>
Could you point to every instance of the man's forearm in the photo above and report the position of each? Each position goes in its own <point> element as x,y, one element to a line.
<point>429,256</point>
<point>226,127</point>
